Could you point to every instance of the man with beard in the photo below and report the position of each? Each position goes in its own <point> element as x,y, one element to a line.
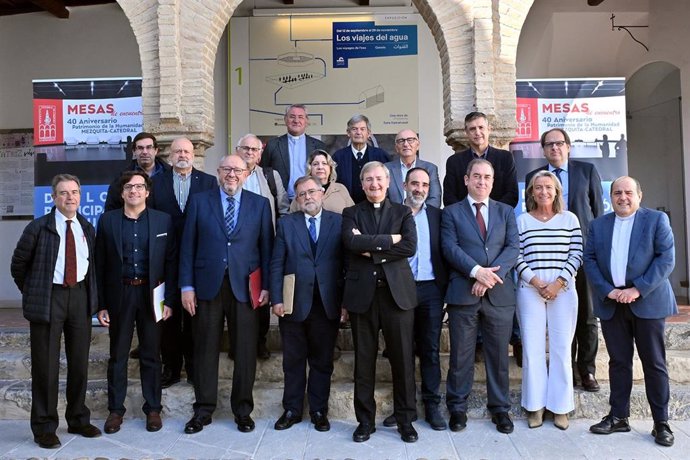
<point>170,192</point>
<point>308,246</point>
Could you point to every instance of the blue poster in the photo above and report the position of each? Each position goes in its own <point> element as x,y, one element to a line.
<point>355,40</point>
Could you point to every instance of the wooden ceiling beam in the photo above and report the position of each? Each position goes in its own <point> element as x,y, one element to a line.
<point>54,7</point>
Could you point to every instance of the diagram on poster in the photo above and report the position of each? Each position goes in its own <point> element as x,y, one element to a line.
<point>337,68</point>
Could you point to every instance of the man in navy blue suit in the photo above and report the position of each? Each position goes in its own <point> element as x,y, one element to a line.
<point>170,192</point>
<point>308,246</point>
<point>628,258</point>
<point>228,234</point>
<point>480,242</point>
<point>351,158</point>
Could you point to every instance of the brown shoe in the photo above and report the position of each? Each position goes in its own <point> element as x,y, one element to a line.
<point>589,383</point>
<point>112,423</point>
<point>153,421</point>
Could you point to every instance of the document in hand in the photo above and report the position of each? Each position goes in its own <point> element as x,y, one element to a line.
<point>255,288</point>
<point>288,293</point>
<point>158,301</point>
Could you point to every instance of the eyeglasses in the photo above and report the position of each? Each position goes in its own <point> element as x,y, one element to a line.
<point>227,170</point>
<point>137,187</point>
<point>144,147</point>
<point>247,149</point>
<point>309,192</point>
<point>409,140</point>
<point>548,145</point>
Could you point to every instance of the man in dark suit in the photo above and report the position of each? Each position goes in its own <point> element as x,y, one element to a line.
<point>52,267</point>
<point>350,159</point>
<point>135,253</point>
<point>430,274</point>
<point>308,246</point>
<point>582,195</point>
<point>628,258</point>
<point>407,148</point>
<point>480,242</point>
<point>227,235</point>
<point>477,130</point>
<point>288,153</point>
<point>170,192</point>
<point>380,294</point>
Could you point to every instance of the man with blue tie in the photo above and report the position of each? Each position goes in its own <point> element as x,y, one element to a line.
<point>480,242</point>
<point>628,258</point>
<point>228,234</point>
<point>308,246</point>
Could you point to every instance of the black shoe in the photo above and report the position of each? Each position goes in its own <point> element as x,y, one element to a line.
<point>47,440</point>
<point>503,422</point>
<point>517,353</point>
<point>245,424</point>
<point>286,420</point>
<point>407,432</point>
<point>458,421</point>
<point>662,434</point>
<point>589,383</point>
<point>262,352</point>
<point>363,432</point>
<point>134,354</point>
<point>390,421</point>
<point>611,424</point>
<point>197,423</point>
<point>434,419</point>
<point>168,379</point>
<point>88,431</point>
<point>320,421</point>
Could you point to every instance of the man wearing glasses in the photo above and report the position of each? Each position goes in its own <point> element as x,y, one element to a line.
<point>287,154</point>
<point>145,159</point>
<point>407,148</point>
<point>169,193</point>
<point>228,234</point>
<point>582,195</point>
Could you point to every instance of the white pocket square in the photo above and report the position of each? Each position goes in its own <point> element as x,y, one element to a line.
<point>162,234</point>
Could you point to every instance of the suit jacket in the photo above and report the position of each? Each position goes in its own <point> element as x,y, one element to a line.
<point>651,259</point>
<point>163,196</point>
<point>292,254</point>
<point>162,257</point>
<point>335,199</point>
<point>505,187</point>
<point>277,155</point>
<point>437,261</point>
<point>584,192</point>
<point>361,274</point>
<point>113,199</point>
<point>33,266</point>
<point>207,250</point>
<point>396,192</point>
<point>344,159</point>
<point>281,199</point>
<point>464,248</point>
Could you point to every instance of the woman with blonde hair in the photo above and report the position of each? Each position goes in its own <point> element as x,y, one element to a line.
<point>320,164</point>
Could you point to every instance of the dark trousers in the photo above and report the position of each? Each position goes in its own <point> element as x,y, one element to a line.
<point>428,319</point>
<point>308,342</point>
<point>176,344</point>
<point>496,324</point>
<point>135,308</point>
<point>69,314</point>
<point>264,324</point>
<point>207,327</point>
<point>620,333</point>
<point>586,340</point>
<point>398,331</point>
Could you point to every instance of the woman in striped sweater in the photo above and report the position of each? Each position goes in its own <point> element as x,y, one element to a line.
<point>550,254</point>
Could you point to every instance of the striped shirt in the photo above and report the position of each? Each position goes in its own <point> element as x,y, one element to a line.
<point>549,249</point>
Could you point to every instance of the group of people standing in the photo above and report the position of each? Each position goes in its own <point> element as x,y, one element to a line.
<point>354,236</point>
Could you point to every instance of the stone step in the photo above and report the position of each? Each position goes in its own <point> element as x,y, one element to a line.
<point>178,399</point>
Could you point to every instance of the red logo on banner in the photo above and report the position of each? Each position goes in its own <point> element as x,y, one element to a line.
<point>48,121</point>
<point>526,116</point>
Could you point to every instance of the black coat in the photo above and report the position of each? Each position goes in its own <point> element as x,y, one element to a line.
<point>33,266</point>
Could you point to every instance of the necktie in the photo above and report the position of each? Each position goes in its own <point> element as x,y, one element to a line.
<point>70,257</point>
<point>558,172</point>
<point>480,219</point>
<point>359,156</point>
<point>230,215</point>
<point>312,228</point>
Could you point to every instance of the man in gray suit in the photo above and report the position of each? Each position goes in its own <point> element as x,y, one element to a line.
<point>288,153</point>
<point>582,195</point>
<point>480,242</point>
<point>407,147</point>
